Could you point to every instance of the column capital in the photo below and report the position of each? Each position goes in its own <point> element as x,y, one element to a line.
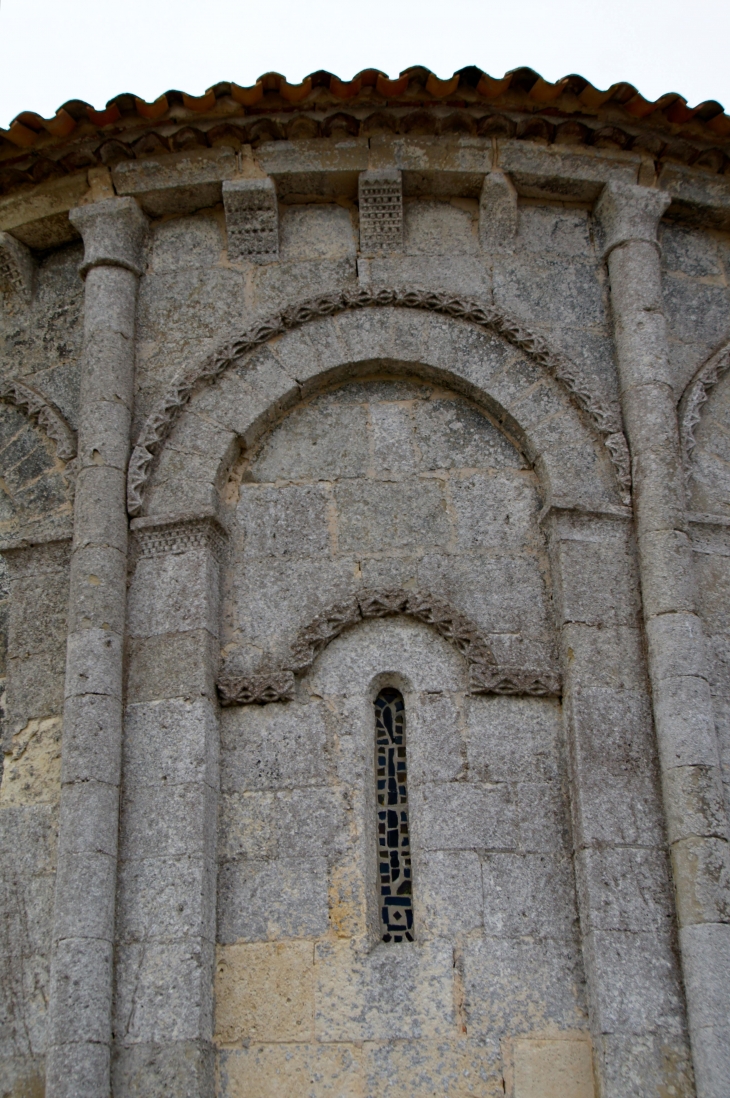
<point>113,231</point>
<point>628,212</point>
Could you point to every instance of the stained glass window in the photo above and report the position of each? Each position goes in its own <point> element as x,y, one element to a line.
<point>394,850</point>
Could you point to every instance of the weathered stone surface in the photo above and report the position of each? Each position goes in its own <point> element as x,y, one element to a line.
<point>265,990</point>
<point>551,1068</point>
<point>497,212</point>
<point>384,995</point>
<point>275,1070</point>
<point>365,458</point>
<point>272,899</point>
<point>169,997</point>
<point>506,981</point>
<point>276,748</point>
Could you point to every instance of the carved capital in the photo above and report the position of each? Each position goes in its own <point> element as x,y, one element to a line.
<point>171,535</point>
<point>113,232</point>
<point>628,212</point>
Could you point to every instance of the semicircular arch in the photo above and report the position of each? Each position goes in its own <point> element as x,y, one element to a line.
<point>695,396</point>
<point>569,432</point>
<point>39,410</point>
<point>275,681</point>
<point>37,448</point>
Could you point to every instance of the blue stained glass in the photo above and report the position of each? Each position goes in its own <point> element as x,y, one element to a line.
<point>396,907</point>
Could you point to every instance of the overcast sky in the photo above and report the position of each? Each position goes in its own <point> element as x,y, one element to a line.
<point>54,50</point>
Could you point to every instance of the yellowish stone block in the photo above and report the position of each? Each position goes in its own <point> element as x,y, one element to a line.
<point>32,773</point>
<point>293,1071</point>
<point>553,1069</point>
<point>264,991</point>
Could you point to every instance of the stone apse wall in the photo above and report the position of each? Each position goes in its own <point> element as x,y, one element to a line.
<point>328,426</point>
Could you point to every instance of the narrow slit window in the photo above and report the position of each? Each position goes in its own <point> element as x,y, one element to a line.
<point>394,849</point>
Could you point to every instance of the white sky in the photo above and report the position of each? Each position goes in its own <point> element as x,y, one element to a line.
<point>54,50</point>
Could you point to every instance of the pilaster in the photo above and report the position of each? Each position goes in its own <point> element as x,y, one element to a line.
<point>688,752</point>
<point>621,866</point>
<point>163,1007</point>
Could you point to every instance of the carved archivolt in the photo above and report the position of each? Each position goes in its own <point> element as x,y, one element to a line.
<point>696,394</point>
<point>42,412</point>
<point>271,683</point>
<point>160,423</point>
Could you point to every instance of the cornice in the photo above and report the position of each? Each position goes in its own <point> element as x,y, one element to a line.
<point>521,104</point>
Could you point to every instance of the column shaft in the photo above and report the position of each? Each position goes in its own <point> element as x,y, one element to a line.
<point>688,753</point>
<point>83,931</point>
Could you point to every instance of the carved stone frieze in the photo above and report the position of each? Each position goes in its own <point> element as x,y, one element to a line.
<point>42,412</point>
<point>695,396</point>
<point>485,679</point>
<point>258,689</point>
<point>157,428</point>
<point>276,683</point>
<point>171,537</point>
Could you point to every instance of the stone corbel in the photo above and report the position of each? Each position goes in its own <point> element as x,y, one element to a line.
<point>497,211</point>
<point>252,220</point>
<point>16,267</point>
<point>380,196</point>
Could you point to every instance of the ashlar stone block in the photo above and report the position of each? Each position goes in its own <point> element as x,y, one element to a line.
<point>309,1070</point>
<point>273,747</point>
<point>261,900</point>
<point>163,992</point>
<point>553,1069</point>
<point>464,816</point>
<point>509,983</point>
<point>512,739</point>
<point>264,991</point>
<point>529,895</point>
<point>448,899</point>
<point>449,1068</point>
<point>388,993</point>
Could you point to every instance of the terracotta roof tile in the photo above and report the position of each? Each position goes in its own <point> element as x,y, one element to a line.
<point>506,104</point>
